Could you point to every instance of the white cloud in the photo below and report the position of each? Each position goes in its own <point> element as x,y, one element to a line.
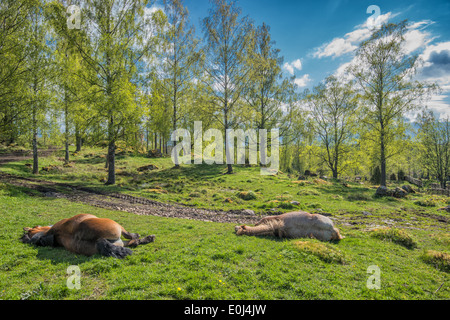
<point>439,105</point>
<point>436,68</point>
<point>416,37</point>
<point>380,20</point>
<point>349,43</point>
<point>297,64</point>
<point>303,81</point>
<point>336,48</point>
<point>290,67</point>
<point>342,71</point>
<point>436,57</point>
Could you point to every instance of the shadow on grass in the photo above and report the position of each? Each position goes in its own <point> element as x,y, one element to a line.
<point>94,160</point>
<point>58,255</point>
<point>194,172</point>
<point>351,193</point>
<point>18,167</point>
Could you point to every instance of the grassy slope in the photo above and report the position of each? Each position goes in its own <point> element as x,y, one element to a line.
<point>200,260</point>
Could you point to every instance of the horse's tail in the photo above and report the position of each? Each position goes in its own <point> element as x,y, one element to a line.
<point>107,249</point>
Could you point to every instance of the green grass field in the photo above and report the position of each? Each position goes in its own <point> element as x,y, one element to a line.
<point>204,260</point>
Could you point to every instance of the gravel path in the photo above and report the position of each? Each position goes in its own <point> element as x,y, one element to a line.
<point>120,202</point>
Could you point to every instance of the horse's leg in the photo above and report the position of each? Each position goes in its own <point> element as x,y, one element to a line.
<point>129,235</point>
<point>134,239</point>
<point>136,242</point>
<point>42,240</point>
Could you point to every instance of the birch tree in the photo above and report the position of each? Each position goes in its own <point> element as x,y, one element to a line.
<point>225,55</point>
<point>333,105</point>
<point>385,74</point>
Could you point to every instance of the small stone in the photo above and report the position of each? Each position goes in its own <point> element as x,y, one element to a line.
<point>248,212</point>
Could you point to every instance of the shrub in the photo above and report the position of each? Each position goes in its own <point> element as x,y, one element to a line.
<point>246,195</point>
<point>315,205</point>
<point>324,252</point>
<point>376,176</point>
<point>441,260</point>
<point>398,236</point>
<point>401,175</point>
<point>284,197</point>
<point>194,195</point>
<point>273,204</point>
<point>308,192</point>
<point>429,202</point>
<point>359,197</point>
<point>286,205</point>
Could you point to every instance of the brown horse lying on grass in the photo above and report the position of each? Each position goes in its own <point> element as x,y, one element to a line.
<point>87,235</point>
<point>293,225</point>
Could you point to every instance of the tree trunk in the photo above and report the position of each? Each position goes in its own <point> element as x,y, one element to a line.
<point>227,143</point>
<point>34,143</point>
<point>335,174</point>
<point>78,141</point>
<point>147,137</point>
<point>111,153</point>
<point>111,163</point>
<point>174,124</point>
<point>382,161</point>
<point>66,133</point>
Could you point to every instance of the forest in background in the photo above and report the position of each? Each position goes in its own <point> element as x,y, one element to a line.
<point>127,76</point>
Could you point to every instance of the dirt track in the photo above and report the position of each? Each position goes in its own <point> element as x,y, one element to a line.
<point>115,201</point>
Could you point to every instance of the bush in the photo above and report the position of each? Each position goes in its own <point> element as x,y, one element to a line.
<point>314,205</point>
<point>359,197</point>
<point>308,192</point>
<point>429,202</point>
<point>376,176</point>
<point>286,205</point>
<point>398,236</point>
<point>441,260</point>
<point>246,195</point>
<point>284,197</point>
<point>194,195</point>
<point>324,252</point>
<point>401,175</point>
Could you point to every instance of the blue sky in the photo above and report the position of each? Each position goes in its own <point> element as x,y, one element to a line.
<point>316,38</point>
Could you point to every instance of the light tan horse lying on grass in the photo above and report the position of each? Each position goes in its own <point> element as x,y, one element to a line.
<point>293,225</point>
<point>87,235</point>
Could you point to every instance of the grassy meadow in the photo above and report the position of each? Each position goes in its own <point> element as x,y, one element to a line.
<point>408,239</point>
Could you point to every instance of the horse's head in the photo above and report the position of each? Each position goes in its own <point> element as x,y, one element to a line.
<point>30,232</point>
<point>240,230</point>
